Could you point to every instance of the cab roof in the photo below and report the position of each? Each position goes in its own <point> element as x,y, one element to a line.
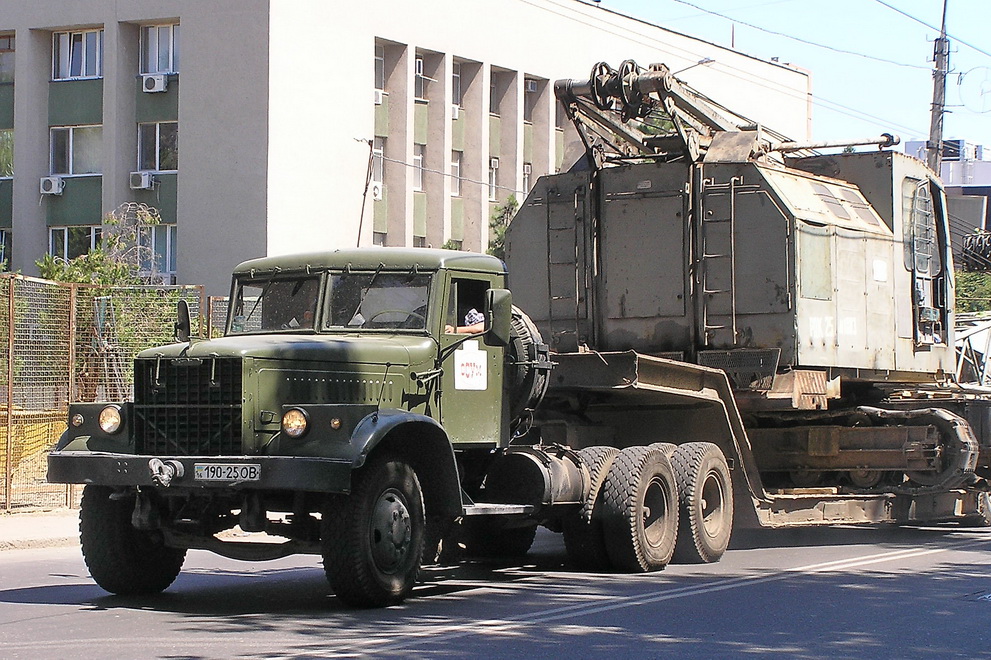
<point>370,258</point>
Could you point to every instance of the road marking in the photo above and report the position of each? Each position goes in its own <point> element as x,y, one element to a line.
<point>455,631</point>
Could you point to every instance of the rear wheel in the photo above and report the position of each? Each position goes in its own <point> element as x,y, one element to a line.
<point>123,560</point>
<point>583,537</point>
<point>373,539</point>
<point>640,510</point>
<point>705,502</point>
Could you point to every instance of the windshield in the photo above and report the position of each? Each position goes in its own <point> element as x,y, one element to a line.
<point>378,300</point>
<point>275,305</point>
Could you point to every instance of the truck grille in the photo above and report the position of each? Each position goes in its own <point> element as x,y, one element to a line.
<point>188,407</point>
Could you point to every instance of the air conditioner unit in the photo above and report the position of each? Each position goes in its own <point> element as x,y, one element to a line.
<point>142,181</point>
<point>376,191</point>
<point>531,86</point>
<point>52,185</point>
<point>378,96</point>
<point>455,111</point>
<point>154,82</point>
<point>493,163</point>
<point>527,169</point>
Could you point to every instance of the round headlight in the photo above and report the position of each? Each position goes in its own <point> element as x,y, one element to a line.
<point>78,420</point>
<point>294,423</point>
<point>110,419</point>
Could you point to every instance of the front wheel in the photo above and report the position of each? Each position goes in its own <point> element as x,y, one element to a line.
<point>122,559</point>
<point>373,539</point>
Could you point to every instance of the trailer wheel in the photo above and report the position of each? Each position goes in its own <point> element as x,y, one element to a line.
<point>705,494</point>
<point>640,510</point>
<point>983,516</point>
<point>490,536</point>
<point>583,537</point>
<point>373,539</point>
<point>123,560</point>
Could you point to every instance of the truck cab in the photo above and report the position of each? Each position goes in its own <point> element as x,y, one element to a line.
<point>329,362</point>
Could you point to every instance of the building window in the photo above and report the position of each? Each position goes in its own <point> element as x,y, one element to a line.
<point>493,178</point>
<point>6,153</point>
<point>158,146</point>
<point>160,49</point>
<point>76,150</point>
<point>420,81</point>
<point>456,83</point>
<point>420,241</point>
<point>71,242</point>
<point>493,97</point>
<point>527,171</point>
<point>379,66</point>
<point>6,248</point>
<point>6,58</point>
<point>456,173</point>
<point>529,99</point>
<point>77,55</point>
<point>158,251</point>
<point>378,238</point>
<point>378,160</point>
<point>418,152</point>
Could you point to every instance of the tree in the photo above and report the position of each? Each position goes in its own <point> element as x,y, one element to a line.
<point>498,223</point>
<point>124,256</point>
<point>973,291</point>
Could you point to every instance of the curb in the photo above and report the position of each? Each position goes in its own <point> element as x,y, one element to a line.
<point>37,544</point>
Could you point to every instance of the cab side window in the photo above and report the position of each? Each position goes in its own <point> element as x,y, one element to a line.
<point>465,306</point>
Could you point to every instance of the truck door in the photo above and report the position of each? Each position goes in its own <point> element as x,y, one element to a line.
<point>471,406</point>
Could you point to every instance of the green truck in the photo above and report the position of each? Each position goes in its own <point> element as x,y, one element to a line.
<point>717,334</point>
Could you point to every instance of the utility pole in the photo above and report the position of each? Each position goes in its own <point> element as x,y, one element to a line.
<point>934,149</point>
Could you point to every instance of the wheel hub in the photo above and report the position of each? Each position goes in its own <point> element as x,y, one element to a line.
<point>391,531</point>
<point>711,502</point>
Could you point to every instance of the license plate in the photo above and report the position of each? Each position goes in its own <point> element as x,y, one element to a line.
<point>228,472</point>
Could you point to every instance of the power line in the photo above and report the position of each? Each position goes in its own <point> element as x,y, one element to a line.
<point>800,40</point>
<point>485,184</point>
<point>922,22</point>
<point>727,69</point>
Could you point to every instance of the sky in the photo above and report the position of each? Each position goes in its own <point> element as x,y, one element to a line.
<point>884,84</point>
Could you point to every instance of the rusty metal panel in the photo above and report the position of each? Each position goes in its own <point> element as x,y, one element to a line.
<point>644,239</point>
<point>814,261</point>
<point>844,448</point>
<point>548,255</point>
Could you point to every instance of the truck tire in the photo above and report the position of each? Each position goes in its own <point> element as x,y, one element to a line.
<point>490,536</point>
<point>583,537</point>
<point>705,494</point>
<point>373,539</point>
<point>123,560</point>
<point>640,510</point>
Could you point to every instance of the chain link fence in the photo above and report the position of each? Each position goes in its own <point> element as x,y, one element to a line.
<point>65,343</point>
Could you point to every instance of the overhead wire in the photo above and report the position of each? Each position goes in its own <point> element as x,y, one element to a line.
<point>931,27</point>
<point>799,39</point>
<point>747,76</point>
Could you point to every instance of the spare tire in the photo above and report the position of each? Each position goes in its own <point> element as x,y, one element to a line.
<point>527,367</point>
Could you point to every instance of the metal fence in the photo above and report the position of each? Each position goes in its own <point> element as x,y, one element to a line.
<point>65,343</point>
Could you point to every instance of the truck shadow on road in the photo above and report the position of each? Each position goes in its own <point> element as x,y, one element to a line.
<point>203,591</point>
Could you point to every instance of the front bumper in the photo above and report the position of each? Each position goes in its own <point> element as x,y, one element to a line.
<point>293,473</point>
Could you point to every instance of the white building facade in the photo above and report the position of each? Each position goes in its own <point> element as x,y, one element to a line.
<point>264,127</point>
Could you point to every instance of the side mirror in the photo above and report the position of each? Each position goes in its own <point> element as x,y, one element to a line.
<point>182,325</point>
<point>498,315</point>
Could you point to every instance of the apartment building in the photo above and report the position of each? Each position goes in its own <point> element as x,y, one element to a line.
<point>308,125</point>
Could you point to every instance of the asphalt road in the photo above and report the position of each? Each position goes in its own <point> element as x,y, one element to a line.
<point>831,593</point>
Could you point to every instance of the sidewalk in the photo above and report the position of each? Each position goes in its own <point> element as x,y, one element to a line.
<point>45,529</point>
